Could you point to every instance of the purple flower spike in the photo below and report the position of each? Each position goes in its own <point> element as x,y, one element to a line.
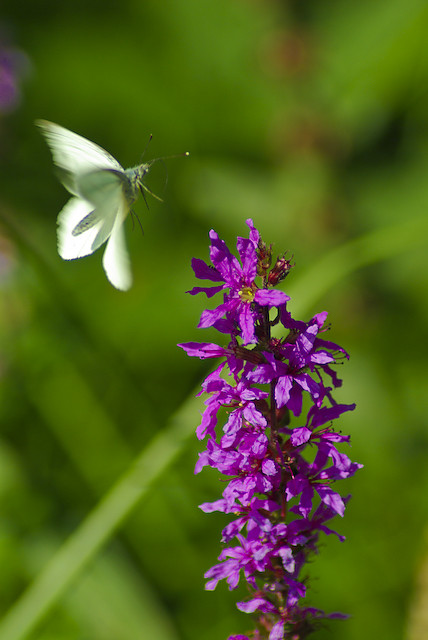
<point>278,475</point>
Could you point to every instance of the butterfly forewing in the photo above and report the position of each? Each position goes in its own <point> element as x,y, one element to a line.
<point>74,154</point>
<point>98,186</point>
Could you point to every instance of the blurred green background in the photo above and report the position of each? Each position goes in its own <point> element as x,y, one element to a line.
<point>308,116</point>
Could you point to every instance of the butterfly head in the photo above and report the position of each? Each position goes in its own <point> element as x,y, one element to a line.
<point>136,176</point>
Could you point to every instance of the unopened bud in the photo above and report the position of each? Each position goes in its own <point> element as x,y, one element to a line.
<point>280,270</point>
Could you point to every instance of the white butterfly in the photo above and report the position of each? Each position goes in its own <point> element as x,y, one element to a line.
<point>103,195</point>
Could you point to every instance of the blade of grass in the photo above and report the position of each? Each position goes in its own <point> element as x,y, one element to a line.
<point>100,524</point>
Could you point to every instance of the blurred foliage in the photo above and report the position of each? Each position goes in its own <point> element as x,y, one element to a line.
<point>311,117</point>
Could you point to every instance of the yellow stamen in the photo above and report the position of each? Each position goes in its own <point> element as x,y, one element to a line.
<point>246,294</point>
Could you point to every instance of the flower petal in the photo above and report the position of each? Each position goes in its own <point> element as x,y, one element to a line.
<point>203,271</point>
<point>270,297</point>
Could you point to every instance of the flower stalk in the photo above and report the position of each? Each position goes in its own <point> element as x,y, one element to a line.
<point>280,466</point>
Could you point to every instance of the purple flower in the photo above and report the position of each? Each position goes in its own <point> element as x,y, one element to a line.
<point>250,557</point>
<point>278,475</point>
<point>292,365</point>
<point>239,399</point>
<point>289,382</point>
<point>242,299</point>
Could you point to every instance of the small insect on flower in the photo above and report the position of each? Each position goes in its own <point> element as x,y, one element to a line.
<point>103,193</point>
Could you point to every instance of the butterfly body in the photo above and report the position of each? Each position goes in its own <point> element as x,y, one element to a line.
<point>102,195</point>
<point>135,177</point>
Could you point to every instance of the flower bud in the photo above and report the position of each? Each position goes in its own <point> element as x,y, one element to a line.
<point>281,269</point>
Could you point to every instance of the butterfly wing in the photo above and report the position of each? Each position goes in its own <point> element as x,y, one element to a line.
<point>103,194</point>
<point>96,186</point>
<point>75,155</point>
<point>83,226</point>
<point>76,245</point>
<point>116,261</point>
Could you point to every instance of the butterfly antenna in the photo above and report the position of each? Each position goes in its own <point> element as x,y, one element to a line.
<point>162,160</point>
<point>176,155</point>
<point>142,186</point>
<point>145,148</point>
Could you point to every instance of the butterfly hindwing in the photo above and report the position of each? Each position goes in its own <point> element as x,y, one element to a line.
<point>82,229</point>
<point>86,223</point>
<point>116,261</point>
<point>71,246</point>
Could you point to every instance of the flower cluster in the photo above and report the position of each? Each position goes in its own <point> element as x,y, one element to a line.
<point>280,476</point>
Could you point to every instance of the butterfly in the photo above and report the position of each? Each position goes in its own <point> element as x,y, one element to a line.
<point>103,193</point>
